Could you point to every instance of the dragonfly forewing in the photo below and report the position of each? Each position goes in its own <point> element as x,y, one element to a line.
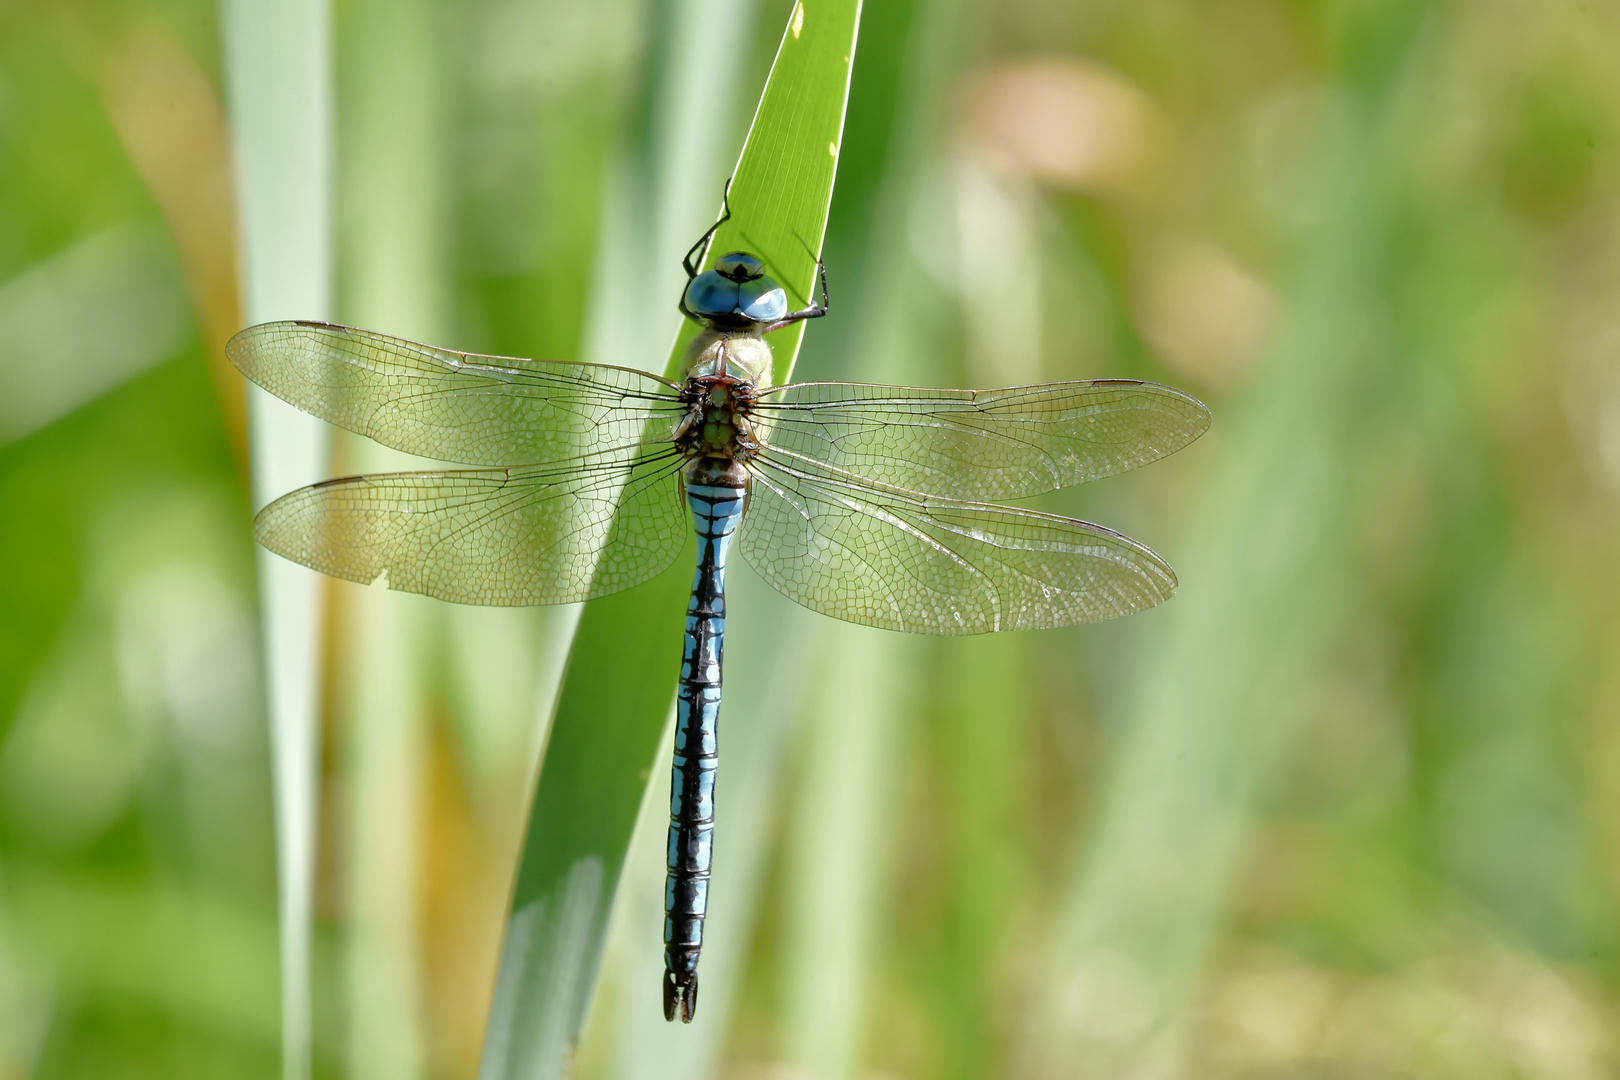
<point>982,445</point>
<point>455,406</point>
<point>895,559</point>
<point>550,534</point>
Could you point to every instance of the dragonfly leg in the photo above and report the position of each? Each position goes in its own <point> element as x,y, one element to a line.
<point>814,311</point>
<point>703,243</point>
<point>705,240</point>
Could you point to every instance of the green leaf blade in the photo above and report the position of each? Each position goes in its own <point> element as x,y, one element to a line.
<point>619,684</point>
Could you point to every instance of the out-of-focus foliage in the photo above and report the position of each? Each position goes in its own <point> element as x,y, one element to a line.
<point>1346,806</point>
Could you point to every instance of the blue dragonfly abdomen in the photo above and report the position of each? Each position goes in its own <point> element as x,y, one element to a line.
<point>716,509</point>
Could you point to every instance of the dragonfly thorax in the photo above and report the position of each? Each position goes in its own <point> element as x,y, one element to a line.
<point>741,355</point>
<point>717,426</point>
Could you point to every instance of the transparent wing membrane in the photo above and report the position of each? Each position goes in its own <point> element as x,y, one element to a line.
<point>982,445</point>
<point>544,534</point>
<point>583,499</point>
<point>480,410</point>
<point>894,559</point>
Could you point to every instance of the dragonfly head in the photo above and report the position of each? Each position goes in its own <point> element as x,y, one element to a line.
<point>736,293</point>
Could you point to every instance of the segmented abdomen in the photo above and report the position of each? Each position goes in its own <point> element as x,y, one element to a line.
<point>715,512</point>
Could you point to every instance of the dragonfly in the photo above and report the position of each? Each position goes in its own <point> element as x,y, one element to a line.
<point>877,505</point>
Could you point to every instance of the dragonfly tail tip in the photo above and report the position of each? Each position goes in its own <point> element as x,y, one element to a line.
<point>680,998</point>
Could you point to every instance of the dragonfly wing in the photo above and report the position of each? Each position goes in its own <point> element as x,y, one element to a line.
<point>901,561</point>
<point>982,445</point>
<point>481,410</point>
<point>549,534</point>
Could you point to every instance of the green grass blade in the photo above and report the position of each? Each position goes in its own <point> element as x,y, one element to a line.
<point>770,669</point>
<point>620,681</point>
<point>278,69</point>
<point>393,274</point>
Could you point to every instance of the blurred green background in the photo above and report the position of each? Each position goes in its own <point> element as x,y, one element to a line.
<point>1349,806</point>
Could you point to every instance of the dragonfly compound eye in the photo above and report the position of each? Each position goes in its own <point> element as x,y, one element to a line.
<point>711,296</point>
<point>762,300</point>
<point>739,266</point>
